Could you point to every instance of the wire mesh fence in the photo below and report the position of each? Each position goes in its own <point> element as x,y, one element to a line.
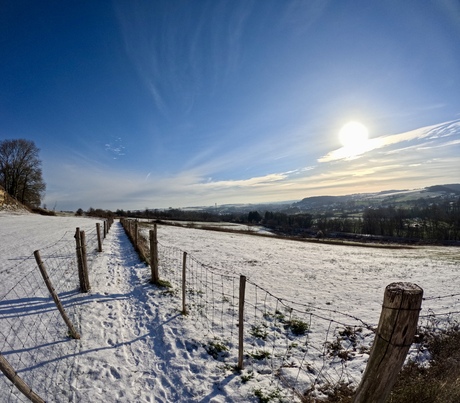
<point>289,344</point>
<point>281,338</point>
<point>34,339</point>
<point>303,347</point>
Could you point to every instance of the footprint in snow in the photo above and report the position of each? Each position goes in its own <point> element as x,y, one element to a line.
<point>115,373</point>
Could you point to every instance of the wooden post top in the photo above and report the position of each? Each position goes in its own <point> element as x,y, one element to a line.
<point>404,287</point>
<point>403,295</point>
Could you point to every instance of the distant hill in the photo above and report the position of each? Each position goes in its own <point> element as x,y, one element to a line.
<point>316,201</point>
<point>387,197</point>
<point>319,204</point>
<point>455,188</point>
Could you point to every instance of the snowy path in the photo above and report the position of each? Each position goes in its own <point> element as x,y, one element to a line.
<point>132,349</point>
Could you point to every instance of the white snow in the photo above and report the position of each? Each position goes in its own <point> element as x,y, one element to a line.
<point>135,344</point>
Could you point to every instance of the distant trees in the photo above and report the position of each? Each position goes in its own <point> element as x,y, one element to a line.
<point>288,223</point>
<point>423,220</point>
<point>435,221</point>
<point>254,217</point>
<point>20,171</point>
<point>96,213</point>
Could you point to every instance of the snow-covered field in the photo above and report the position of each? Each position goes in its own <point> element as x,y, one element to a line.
<point>252,228</point>
<point>135,344</point>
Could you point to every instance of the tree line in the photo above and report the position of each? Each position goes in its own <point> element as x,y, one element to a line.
<point>436,221</point>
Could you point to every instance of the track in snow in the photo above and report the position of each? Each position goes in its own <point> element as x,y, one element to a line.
<point>133,349</point>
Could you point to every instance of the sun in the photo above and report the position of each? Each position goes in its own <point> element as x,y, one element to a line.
<point>353,135</point>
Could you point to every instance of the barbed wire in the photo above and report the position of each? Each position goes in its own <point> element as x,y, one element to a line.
<point>441,297</point>
<point>269,338</point>
<point>283,339</point>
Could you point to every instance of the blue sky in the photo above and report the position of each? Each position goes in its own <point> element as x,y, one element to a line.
<point>158,104</point>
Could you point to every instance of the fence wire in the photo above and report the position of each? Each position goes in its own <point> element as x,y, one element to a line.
<point>34,338</point>
<point>284,339</point>
<point>299,347</point>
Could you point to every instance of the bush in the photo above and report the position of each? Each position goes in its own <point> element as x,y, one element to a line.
<point>438,383</point>
<point>298,327</point>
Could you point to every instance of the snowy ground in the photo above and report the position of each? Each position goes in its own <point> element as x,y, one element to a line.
<point>348,279</point>
<point>136,346</point>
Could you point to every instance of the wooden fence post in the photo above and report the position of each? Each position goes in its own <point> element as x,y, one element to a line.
<point>81,276</point>
<point>84,261</point>
<point>136,235</point>
<point>17,381</point>
<point>57,301</point>
<point>99,240</point>
<point>154,254</point>
<point>184,273</point>
<point>394,336</point>
<point>106,224</point>
<point>241,322</point>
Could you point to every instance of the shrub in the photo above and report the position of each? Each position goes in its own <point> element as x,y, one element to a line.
<point>438,383</point>
<point>217,349</point>
<point>298,327</point>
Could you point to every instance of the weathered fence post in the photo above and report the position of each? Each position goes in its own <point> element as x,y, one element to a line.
<point>154,255</point>
<point>84,261</point>
<point>394,336</point>
<point>241,322</point>
<point>81,276</point>
<point>53,293</point>
<point>99,240</point>
<point>106,224</point>
<point>184,273</point>
<point>136,235</point>
<point>17,381</point>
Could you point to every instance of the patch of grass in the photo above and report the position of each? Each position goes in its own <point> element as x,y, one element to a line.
<point>217,349</point>
<point>351,337</point>
<point>260,354</point>
<point>335,349</point>
<point>268,396</point>
<point>167,288</point>
<point>259,332</point>
<point>438,383</point>
<point>245,378</point>
<point>280,316</point>
<point>340,393</point>
<point>163,284</point>
<point>298,327</point>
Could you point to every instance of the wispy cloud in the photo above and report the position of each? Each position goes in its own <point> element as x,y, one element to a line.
<point>439,131</point>
<point>178,62</point>
<point>397,163</point>
<point>115,148</point>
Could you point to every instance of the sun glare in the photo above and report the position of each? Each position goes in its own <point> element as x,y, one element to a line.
<point>353,135</point>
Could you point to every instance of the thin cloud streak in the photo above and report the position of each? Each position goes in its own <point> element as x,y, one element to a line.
<point>427,163</point>
<point>433,132</point>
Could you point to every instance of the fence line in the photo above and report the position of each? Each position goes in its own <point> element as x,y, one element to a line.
<point>34,339</point>
<point>282,338</point>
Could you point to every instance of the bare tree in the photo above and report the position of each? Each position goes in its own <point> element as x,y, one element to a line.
<point>20,171</point>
